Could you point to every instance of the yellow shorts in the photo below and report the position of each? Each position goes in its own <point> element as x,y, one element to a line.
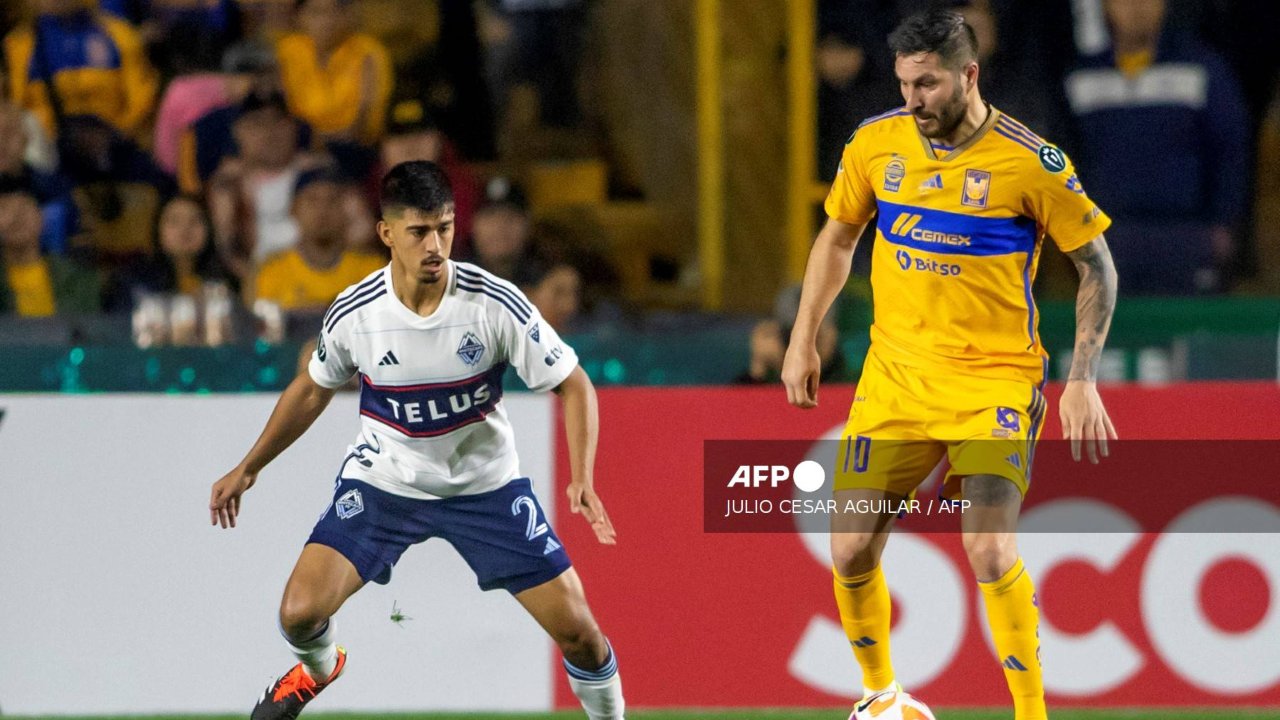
<point>904,419</point>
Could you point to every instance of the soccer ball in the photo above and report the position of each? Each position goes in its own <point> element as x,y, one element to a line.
<point>893,705</point>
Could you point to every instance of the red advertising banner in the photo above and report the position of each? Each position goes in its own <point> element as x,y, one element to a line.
<point>1129,617</point>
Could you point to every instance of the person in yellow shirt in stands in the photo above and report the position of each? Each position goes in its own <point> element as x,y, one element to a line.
<point>33,285</point>
<point>97,64</point>
<point>337,80</point>
<point>310,275</point>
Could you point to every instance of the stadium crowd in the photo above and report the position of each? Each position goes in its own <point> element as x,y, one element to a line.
<point>1159,102</point>
<point>153,150</point>
<point>228,150</point>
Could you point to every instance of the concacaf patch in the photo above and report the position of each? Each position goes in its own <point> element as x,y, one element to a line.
<point>1052,159</point>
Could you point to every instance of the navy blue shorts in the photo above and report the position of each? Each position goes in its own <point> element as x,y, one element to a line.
<point>502,534</point>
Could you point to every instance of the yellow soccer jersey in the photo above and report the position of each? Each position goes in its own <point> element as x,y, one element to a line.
<point>958,238</point>
<point>288,280</point>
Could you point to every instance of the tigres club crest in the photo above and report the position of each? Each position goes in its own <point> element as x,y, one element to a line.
<point>977,186</point>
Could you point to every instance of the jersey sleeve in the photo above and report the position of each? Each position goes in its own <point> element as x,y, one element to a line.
<point>1057,201</point>
<point>332,362</point>
<point>851,199</point>
<point>534,348</point>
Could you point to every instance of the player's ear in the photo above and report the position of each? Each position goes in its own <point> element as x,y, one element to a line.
<point>971,75</point>
<point>384,232</point>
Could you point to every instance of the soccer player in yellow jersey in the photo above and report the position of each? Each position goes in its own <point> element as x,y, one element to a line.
<point>962,197</point>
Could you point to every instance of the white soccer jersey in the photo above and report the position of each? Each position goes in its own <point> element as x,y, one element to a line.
<point>433,425</point>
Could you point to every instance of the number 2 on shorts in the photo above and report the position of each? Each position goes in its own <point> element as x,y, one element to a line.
<point>535,528</point>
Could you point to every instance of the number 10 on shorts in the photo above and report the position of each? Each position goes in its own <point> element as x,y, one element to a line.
<point>861,453</point>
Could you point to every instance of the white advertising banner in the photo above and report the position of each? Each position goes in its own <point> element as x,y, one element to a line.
<point>110,573</point>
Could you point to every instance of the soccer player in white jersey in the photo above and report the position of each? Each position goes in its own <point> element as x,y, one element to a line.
<point>431,338</point>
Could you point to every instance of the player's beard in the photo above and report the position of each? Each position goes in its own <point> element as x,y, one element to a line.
<point>949,116</point>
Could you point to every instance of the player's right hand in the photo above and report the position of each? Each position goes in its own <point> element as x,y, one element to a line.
<point>224,501</point>
<point>801,370</point>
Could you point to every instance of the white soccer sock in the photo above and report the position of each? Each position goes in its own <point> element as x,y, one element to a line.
<point>319,655</point>
<point>599,691</point>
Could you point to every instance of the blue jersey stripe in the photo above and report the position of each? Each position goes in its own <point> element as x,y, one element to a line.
<point>949,233</point>
<point>1028,137</point>
<point>1031,303</point>
<point>898,112</point>
<point>505,303</point>
<point>496,285</point>
<point>351,296</point>
<point>1021,128</point>
<point>1024,143</point>
<point>352,308</point>
<point>358,299</point>
<point>1021,132</point>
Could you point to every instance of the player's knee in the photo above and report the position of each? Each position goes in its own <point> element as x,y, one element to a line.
<point>854,553</point>
<point>990,554</point>
<point>300,617</point>
<point>580,641</point>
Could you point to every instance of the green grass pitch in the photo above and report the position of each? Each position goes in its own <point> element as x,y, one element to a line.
<point>805,714</point>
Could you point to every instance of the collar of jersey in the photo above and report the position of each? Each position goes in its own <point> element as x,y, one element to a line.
<point>972,140</point>
<point>413,317</point>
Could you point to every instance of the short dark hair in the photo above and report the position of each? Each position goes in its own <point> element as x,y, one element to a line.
<point>938,31</point>
<point>417,184</point>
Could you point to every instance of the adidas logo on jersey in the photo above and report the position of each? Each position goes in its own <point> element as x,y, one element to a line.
<point>933,183</point>
<point>389,359</point>
<point>552,546</point>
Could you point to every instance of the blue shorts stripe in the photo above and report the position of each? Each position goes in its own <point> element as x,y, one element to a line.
<point>497,286</point>
<point>343,300</point>
<point>524,319</point>
<point>356,306</point>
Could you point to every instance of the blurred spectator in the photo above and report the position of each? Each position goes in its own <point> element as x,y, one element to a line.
<point>500,235</point>
<point>249,69</point>
<point>1164,150</point>
<point>198,89</point>
<point>51,190</point>
<point>556,290</point>
<point>309,276</point>
<point>448,78</point>
<point>336,79</point>
<point>31,284</point>
<point>73,61</point>
<point>39,152</point>
<point>544,48</point>
<point>855,74</point>
<point>412,134</point>
<point>183,261</point>
<point>769,340</point>
<point>251,193</point>
<point>266,19</point>
<point>176,29</point>
<point>1016,78</point>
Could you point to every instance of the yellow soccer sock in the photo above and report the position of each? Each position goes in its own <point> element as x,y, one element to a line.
<point>1014,617</point>
<point>864,612</point>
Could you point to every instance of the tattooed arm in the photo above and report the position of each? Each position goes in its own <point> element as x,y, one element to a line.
<point>1081,411</point>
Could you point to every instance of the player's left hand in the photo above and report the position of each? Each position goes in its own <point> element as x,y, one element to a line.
<point>583,499</point>
<point>1085,419</point>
